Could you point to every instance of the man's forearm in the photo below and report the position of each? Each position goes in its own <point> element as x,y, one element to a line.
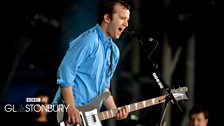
<point>109,103</point>
<point>68,96</point>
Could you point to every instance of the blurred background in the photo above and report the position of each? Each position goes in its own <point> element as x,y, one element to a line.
<point>36,34</point>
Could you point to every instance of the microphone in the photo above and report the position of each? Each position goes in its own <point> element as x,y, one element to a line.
<point>131,33</point>
<point>149,45</point>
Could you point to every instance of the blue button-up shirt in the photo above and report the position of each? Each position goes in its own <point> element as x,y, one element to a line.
<point>86,66</point>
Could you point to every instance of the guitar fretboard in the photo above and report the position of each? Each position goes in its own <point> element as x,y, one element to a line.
<point>132,107</point>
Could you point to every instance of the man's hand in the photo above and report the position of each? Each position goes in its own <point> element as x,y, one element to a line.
<point>122,113</point>
<point>74,116</point>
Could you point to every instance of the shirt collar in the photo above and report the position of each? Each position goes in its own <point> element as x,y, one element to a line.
<point>108,42</point>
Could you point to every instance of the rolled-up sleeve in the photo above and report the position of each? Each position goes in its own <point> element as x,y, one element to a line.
<point>73,58</point>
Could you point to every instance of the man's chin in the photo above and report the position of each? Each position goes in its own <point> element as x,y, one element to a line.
<point>116,36</point>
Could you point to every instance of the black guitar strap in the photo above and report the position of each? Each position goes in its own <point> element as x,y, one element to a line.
<point>111,60</point>
<point>111,63</point>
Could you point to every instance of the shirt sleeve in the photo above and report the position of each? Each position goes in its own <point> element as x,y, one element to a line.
<point>77,52</point>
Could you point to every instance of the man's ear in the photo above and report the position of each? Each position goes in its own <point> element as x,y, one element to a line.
<point>107,18</point>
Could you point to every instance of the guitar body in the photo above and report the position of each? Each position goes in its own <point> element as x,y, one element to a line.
<point>88,112</point>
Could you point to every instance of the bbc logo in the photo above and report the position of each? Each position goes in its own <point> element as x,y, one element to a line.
<point>33,100</point>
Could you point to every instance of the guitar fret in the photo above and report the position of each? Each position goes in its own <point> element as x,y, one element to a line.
<point>132,107</point>
<point>144,103</point>
<point>129,108</point>
<point>107,114</point>
<point>103,115</point>
<point>112,113</point>
<point>141,105</point>
<point>136,106</point>
<point>153,101</point>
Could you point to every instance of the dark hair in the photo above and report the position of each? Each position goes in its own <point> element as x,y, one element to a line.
<point>44,92</point>
<point>198,109</point>
<point>107,7</point>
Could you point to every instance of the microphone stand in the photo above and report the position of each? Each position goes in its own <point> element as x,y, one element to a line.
<point>165,87</point>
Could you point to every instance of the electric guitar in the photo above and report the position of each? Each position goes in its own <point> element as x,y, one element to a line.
<point>91,115</point>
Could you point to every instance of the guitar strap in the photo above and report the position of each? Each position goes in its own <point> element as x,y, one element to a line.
<point>111,63</point>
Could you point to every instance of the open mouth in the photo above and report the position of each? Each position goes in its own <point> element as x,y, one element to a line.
<point>120,30</point>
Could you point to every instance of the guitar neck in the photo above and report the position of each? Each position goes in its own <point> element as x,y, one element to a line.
<point>132,107</point>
